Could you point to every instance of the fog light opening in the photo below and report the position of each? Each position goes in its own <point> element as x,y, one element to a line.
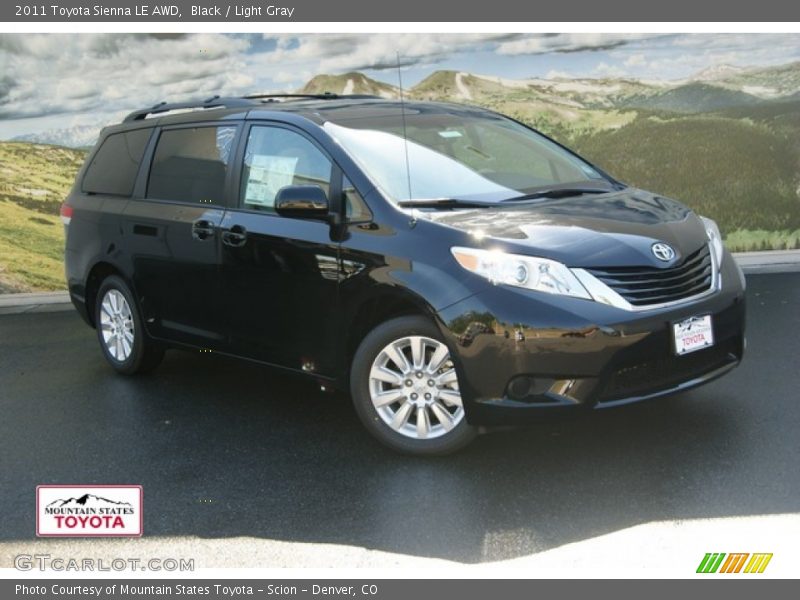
<point>525,388</point>
<point>519,387</point>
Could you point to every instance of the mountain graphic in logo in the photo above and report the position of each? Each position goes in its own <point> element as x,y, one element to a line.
<point>87,501</point>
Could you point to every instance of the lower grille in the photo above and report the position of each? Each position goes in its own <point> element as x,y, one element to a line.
<point>643,286</point>
<point>642,378</point>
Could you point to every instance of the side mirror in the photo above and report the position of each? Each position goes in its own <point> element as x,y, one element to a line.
<point>302,202</point>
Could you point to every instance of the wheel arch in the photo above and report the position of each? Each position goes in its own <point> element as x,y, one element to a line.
<point>379,307</point>
<point>100,271</point>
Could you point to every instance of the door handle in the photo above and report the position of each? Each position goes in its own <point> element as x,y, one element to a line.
<point>202,230</point>
<point>236,236</point>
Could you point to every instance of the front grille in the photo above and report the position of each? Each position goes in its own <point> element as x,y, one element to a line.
<point>641,378</point>
<point>643,286</point>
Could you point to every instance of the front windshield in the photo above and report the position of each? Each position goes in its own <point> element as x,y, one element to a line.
<point>460,154</point>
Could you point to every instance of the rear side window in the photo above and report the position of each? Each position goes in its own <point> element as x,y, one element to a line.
<point>190,165</point>
<point>115,164</point>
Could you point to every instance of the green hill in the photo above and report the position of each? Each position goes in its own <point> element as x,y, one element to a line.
<point>456,86</point>
<point>781,80</point>
<point>35,180</point>
<point>693,98</point>
<point>349,83</point>
<point>739,172</point>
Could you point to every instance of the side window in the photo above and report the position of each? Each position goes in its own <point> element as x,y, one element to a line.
<point>356,210</point>
<point>190,165</point>
<point>115,164</point>
<point>277,157</point>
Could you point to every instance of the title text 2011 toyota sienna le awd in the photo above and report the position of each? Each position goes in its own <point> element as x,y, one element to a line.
<point>450,266</point>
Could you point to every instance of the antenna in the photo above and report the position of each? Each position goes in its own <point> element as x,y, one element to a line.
<point>403,117</point>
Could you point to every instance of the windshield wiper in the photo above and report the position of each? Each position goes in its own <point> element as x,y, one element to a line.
<point>444,203</point>
<point>558,193</point>
<point>564,192</point>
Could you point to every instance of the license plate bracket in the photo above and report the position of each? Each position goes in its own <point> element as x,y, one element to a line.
<point>692,334</point>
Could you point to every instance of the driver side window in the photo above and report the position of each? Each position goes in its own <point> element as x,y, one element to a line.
<point>276,157</point>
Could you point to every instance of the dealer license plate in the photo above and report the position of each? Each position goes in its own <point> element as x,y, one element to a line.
<point>694,333</point>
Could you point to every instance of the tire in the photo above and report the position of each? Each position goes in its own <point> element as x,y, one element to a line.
<point>413,414</point>
<point>120,330</point>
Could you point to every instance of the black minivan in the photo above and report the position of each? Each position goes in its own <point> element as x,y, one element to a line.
<point>451,267</point>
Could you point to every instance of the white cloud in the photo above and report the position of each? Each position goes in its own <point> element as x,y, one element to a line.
<point>570,42</point>
<point>79,73</point>
<point>342,52</point>
<point>604,69</point>
<point>554,74</point>
<point>635,60</point>
<point>46,79</point>
<point>292,76</point>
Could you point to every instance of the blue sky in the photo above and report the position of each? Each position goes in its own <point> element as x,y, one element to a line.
<point>50,81</point>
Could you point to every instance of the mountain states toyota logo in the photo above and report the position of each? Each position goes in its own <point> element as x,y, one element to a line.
<point>88,511</point>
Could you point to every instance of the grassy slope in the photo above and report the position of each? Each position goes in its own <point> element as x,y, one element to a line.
<point>694,98</point>
<point>32,250</point>
<point>337,84</point>
<point>34,180</point>
<point>38,176</point>
<point>739,173</point>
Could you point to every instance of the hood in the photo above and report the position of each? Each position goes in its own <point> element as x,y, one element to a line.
<point>615,229</point>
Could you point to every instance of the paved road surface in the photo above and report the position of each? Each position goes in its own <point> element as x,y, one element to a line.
<point>227,449</point>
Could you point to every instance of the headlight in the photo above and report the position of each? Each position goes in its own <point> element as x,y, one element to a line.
<point>712,231</point>
<point>540,274</point>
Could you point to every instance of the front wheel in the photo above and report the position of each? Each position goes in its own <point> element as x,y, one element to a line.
<point>120,330</point>
<point>405,389</point>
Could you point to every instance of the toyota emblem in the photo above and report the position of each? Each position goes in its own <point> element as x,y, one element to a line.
<point>663,251</point>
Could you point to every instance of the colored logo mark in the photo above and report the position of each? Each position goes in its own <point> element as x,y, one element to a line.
<point>737,562</point>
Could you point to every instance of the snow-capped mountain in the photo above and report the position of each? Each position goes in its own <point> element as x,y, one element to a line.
<point>79,136</point>
<point>717,72</point>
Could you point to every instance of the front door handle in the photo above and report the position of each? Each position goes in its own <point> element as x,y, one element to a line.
<point>236,236</point>
<point>202,230</point>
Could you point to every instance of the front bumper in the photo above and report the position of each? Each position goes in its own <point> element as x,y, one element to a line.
<point>520,354</point>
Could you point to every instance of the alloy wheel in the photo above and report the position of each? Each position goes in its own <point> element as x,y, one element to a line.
<point>116,325</point>
<point>414,388</point>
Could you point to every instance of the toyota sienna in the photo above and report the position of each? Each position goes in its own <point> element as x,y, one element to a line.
<point>451,267</point>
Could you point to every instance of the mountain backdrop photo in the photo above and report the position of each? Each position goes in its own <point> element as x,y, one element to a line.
<point>712,120</point>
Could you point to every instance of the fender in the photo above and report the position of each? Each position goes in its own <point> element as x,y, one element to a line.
<point>95,222</point>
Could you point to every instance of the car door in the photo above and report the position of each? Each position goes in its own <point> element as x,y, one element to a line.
<point>174,233</point>
<point>280,274</point>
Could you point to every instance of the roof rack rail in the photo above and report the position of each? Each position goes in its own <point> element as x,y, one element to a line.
<point>322,96</point>
<point>232,102</point>
<point>213,102</point>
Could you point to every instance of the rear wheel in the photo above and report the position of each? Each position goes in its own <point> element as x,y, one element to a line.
<point>122,337</point>
<point>405,389</point>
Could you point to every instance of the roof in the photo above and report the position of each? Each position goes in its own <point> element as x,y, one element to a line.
<point>317,108</point>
